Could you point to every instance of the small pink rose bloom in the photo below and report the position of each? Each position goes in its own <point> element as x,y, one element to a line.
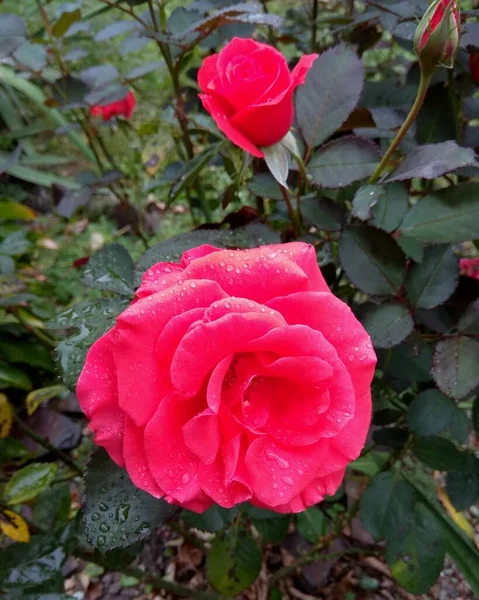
<point>469,267</point>
<point>119,108</point>
<point>235,375</point>
<point>248,90</point>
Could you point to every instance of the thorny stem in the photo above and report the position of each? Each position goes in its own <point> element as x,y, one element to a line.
<point>421,94</point>
<point>48,29</point>
<point>129,11</point>
<point>47,445</point>
<point>293,217</point>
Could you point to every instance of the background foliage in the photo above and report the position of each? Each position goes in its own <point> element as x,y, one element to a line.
<point>86,206</point>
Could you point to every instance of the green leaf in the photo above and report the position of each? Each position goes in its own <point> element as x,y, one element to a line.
<point>372,260</point>
<point>390,208</point>
<point>475,416</point>
<point>12,377</point>
<point>370,464</point>
<point>415,553</point>
<point>193,169</point>
<point>455,366</point>
<point>449,215</point>
<point>114,29</point>
<point>107,94</point>
<point>92,320</point>
<point>234,562</point>
<point>436,119</point>
<point>274,529</point>
<point>25,351</point>
<point>343,161</point>
<point>430,413</point>
<point>52,507</point>
<point>458,546</point>
<point>323,213</point>
<point>331,92</point>
<point>116,512</point>
<point>15,244</point>
<point>212,520</point>
<point>66,20</point>
<point>410,362</point>
<point>277,160</point>
<point>99,76</point>
<point>388,324</point>
<point>312,524</point>
<point>42,177</point>
<point>264,185</point>
<point>439,453</point>
<point>432,282</point>
<point>70,92</point>
<point>386,504</point>
<point>28,565</point>
<point>37,397</point>
<point>365,198</point>
<point>111,269</point>
<point>411,248</point>
<point>459,426</point>
<point>433,160</point>
<point>143,70</point>
<point>12,34</point>
<point>10,210</point>
<point>28,482</point>
<point>469,321</point>
<point>463,486</point>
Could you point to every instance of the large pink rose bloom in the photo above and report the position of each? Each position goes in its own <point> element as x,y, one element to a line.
<point>248,90</point>
<point>234,376</point>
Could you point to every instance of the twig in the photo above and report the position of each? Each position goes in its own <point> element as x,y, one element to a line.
<point>47,445</point>
<point>292,215</point>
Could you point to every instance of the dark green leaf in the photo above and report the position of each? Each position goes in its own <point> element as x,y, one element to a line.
<point>28,565</point>
<point>234,562</point>
<point>272,530</point>
<point>212,520</point>
<point>412,248</point>
<point>410,362</point>
<point>433,160</point>
<point>388,324</point>
<point>66,20</point>
<point>12,34</point>
<point>143,69</point>
<point>372,260</point>
<point>415,554</point>
<point>28,482</point>
<point>475,415</point>
<point>365,198</point>
<point>459,426</point>
<point>469,321</point>
<point>15,244</point>
<point>114,29</point>
<point>343,161</point>
<point>52,507</point>
<point>70,92</point>
<point>455,366</point>
<point>312,524</point>
<point>446,216</point>
<point>27,352</point>
<point>193,169</point>
<point>439,453</point>
<point>111,269</point>
<point>12,377</point>
<point>430,413</point>
<point>332,90</point>
<point>117,513</point>
<point>72,200</point>
<point>264,185</point>
<point>101,75</point>
<point>431,282</point>
<point>461,549</point>
<point>387,504</point>
<point>436,120</point>
<point>463,486</point>
<point>92,320</point>
<point>323,213</point>
<point>107,94</point>
<point>32,56</point>
<point>390,208</point>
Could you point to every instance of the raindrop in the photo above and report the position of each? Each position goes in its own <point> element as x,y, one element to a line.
<point>101,540</point>
<point>104,527</point>
<point>122,512</point>
<point>287,480</point>
<point>95,516</point>
<point>102,506</point>
<point>186,478</point>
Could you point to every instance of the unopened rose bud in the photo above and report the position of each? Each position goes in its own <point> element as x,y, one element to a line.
<point>437,35</point>
<point>474,66</point>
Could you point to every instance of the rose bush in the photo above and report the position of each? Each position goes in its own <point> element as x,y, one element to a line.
<point>248,90</point>
<point>233,376</point>
<point>118,108</point>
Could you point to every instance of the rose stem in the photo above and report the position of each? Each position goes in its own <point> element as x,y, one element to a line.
<point>421,94</point>
<point>292,215</point>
